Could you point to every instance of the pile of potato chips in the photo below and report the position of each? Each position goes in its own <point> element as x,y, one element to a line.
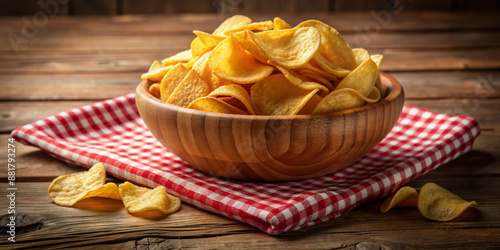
<point>433,202</point>
<point>67,190</point>
<point>268,68</point>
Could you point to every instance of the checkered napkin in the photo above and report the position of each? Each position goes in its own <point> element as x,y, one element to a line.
<point>112,132</point>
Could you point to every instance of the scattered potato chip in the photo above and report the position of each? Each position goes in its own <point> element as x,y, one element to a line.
<point>110,190</point>
<point>231,62</point>
<point>280,24</point>
<point>231,24</point>
<point>139,199</point>
<point>275,95</point>
<point>171,80</point>
<point>190,88</point>
<point>66,190</point>
<point>181,57</point>
<point>439,204</point>
<point>404,197</point>
<point>289,48</point>
<point>333,46</point>
<point>212,104</point>
<point>154,89</point>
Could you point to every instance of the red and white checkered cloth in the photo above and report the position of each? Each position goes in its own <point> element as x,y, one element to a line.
<point>112,132</point>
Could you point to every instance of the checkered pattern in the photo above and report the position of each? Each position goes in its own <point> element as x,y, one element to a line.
<point>112,132</point>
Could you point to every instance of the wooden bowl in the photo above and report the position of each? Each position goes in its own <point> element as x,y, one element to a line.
<point>271,148</point>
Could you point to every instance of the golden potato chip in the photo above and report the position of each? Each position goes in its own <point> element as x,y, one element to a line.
<point>329,67</point>
<point>361,55</point>
<point>154,89</point>
<point>209,40</point>
<point>231,24</point>
<point>275,95</point>
<point>237,92</point>
<point>317,78</point>
<point>110,190</point>
<point>340,99</point>
<point>439,204</point>
<point>171,80</point>
<point>249,46</point>
<point>202,68</point>
<point>154,66</point>
<point>139,199</point>
<point>231,62</point>
<point>181,57</point>
<point>189,89</point>
<point>198,48</point>
<point>266,25</point>
<point>404,197</point>
<point>212,104</point>
<point>289,48</point>
<point>300,81</point>
<point>280,24</point>
<point>310,105</point>
<point>362,79</point>
<point>66,190</point>
<point>333,46</point>
<point>156,74</point>
<point>377,59</point>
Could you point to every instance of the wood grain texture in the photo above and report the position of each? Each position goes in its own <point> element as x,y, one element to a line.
<point>98,223</point>
<point>271,148</point>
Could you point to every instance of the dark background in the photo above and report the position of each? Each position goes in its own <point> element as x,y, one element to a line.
<point>123,7</point>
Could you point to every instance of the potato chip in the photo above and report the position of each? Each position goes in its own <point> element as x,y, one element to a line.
<point>156,74</point>
<point>340,99</point>
<point>237,92</point>
<point>275,95</point>
<point>181,57</point>
<point>439,204</point>
<point>249,46</point>
<point>289,48</point>
<point>231,62</point>
<point>231,24</point>
<point>154,89</point>
<point>110,190</point>
<point>212,104</point>
<point>154,66</point>
<point>333,46</point>
<point>209,40</point>
<point>329,67</point>
<point>139,199</point>
<point>362,79</point>
<point>310,105</point>
<point>266,25</point>
<point>361,55</point>
<point>171,80</point>
<point>404,197</point>
<point>280,24</point>
<point>190,88</point>
<point>300,81</point>
<point>66,190</point>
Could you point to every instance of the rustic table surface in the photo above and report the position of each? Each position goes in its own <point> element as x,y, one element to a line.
<point>447,62</point>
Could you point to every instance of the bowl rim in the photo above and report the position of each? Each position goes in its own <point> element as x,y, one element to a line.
<point>393,94</point>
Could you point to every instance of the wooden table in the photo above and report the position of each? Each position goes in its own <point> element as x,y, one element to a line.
<point>447,62</point>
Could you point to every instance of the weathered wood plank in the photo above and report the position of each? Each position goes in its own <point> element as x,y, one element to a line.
<point>120,61</point>
<point>67,86</point>
<point>344,22</point>
<point>418,85</point>
<point>365,38</point>
<point>99,221</point>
